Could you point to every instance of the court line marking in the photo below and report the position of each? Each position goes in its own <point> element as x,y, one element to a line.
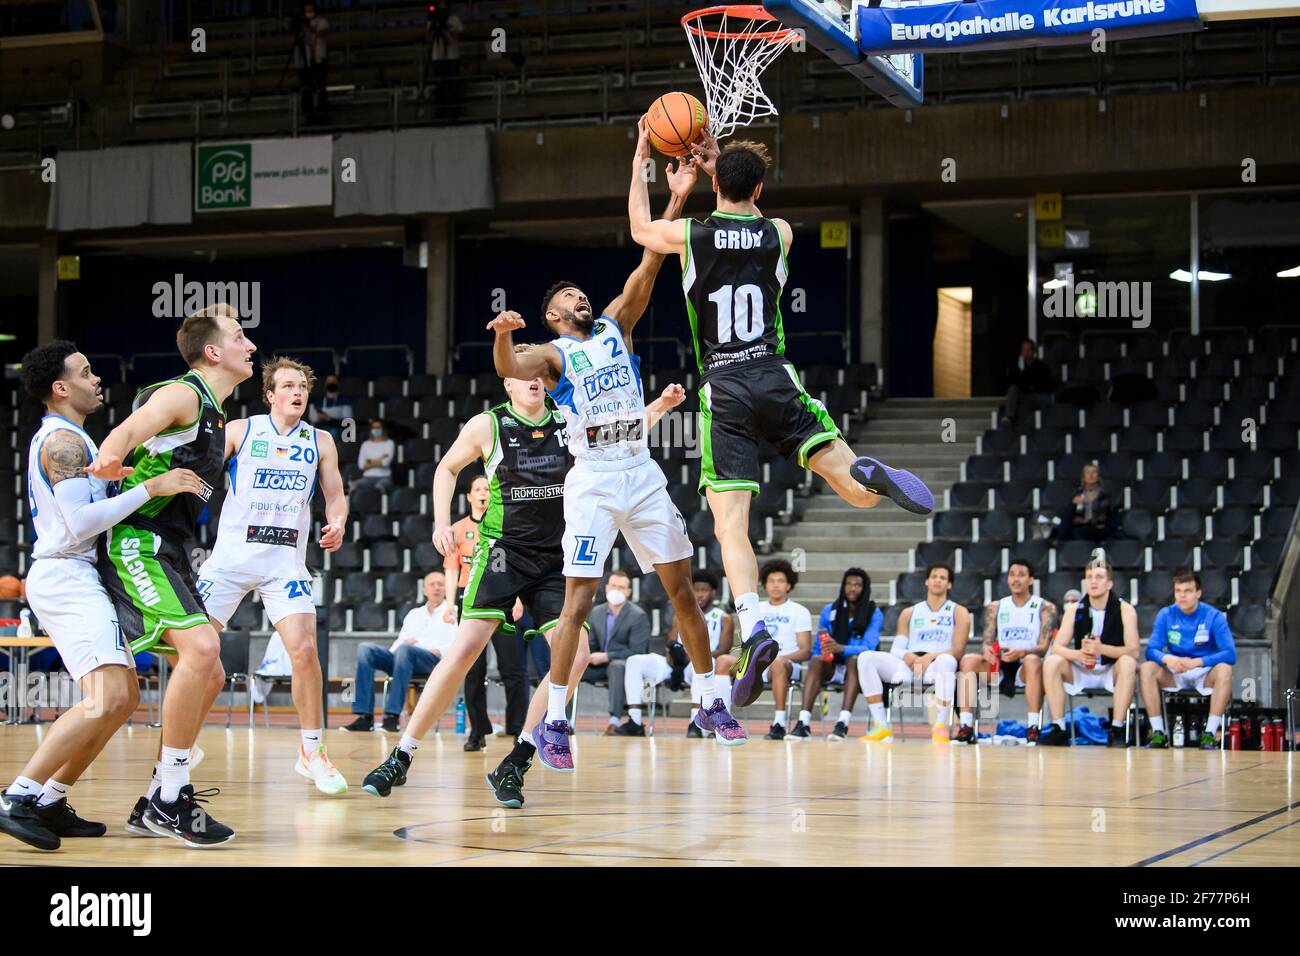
<point>1215,835</point>
<point>1201,780</point>
<point>1246,843</point>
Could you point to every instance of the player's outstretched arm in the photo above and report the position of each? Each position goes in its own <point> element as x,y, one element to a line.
<point>331,485</point>
<point>473,442</point>
<point>172,406</point>
<point>540,361</point>
<point>673,395</point>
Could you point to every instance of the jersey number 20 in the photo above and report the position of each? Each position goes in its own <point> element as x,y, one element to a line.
<point>740,312</point>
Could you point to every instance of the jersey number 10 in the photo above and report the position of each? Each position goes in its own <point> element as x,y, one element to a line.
<point>747,300</point>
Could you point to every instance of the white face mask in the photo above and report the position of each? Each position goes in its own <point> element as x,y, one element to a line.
<point>615,597</point>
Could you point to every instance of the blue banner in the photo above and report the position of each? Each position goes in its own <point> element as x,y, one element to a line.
<point>999,24</point>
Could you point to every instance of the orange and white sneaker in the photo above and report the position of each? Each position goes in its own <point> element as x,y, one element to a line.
<point>881,733</point>
<point>939,733</point>
<point>318,769</point>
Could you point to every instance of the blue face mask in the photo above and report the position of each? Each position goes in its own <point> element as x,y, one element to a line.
<point>376,433</point>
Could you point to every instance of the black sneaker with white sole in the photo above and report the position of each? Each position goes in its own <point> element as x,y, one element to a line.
<point>799,731</point>
<point>839,731</point>
<point>507,783</point>
<point>775,732</point>
<point>363,724</point>
<point>18,818</point>
<point>135,822</point>
<point>185,821</point>
<point>389,774</point>
<point>62,820</point>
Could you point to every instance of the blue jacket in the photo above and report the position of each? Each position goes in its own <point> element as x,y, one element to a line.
<point>1204,634</point>
<point>867,641</point>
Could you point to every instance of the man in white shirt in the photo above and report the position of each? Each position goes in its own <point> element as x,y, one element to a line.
<point>424,637</point>
<point>375,457</point>
<point>790,625</point>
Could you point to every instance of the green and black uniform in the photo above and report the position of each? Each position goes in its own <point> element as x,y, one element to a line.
<point>733,276</point>
<point>143,561</point>
<point>519,551</point>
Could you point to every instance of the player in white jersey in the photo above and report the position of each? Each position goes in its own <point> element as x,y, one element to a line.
<point>1020,627</point>
<point>673,667</point>
<point>790,625</point>
<point>275,462</point>
<point>933,634</point>
<point>70,510</point>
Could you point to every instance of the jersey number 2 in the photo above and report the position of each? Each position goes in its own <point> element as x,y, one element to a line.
<point>298,589</point>
<point>740,312</point>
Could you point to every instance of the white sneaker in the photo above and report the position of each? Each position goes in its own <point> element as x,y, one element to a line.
<point>318,769</point>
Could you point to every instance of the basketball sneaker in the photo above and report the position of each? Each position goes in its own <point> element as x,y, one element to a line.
<point>318,769</point>
<point>552,743</point>
<point>630,728</point>
<point>363,724</point>
<point>717,720</point>
<point>389,774</point>
<point>799,731</point>
<point>18,818</point>
<point>185,821</point>
<point>1117,737</point>
<point>61,820</point>
<point>1031,736</point>
<point>881,733</point>
<point>756,656</point>
<point>1158,740</point>
<point>775,732</point>
<point>1208,741</point>
<point>693,731</point>
<point>507,783</point>
<point>135,822</point>
<point>839,731</point>
<point>966,735</point>
<point>1055,736</point>
<point>939,733</point>
<point>902,487</point>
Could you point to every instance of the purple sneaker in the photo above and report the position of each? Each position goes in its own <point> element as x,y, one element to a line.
<point>756,656</point>
<point>717,720</point>
<point>904,488</point>
<point>552,743</point>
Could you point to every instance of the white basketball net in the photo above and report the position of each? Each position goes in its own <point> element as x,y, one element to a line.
<point>731,52</point>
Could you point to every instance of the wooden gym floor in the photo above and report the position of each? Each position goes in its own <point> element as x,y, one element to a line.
<point>673,801</point>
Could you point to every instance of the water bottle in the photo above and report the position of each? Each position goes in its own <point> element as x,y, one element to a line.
<point>24,623</point>
<point>996,667</point>
<point>827,657</point>
<point>460,715</point>
<point>1180,737</point>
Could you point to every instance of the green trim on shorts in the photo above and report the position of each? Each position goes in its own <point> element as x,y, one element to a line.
<point>818,439</point>
<point>555,620</point>
<point>482,614</point>
<point>830,431</point>
<point>165,611</point>
<point>476,571</point>
<point>731,484</point>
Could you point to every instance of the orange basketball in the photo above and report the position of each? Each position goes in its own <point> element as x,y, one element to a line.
<point>11,589</point>
<point>675,121</point>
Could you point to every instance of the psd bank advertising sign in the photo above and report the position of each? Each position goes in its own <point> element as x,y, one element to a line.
<point>263,174</point>
<point>999,24</point>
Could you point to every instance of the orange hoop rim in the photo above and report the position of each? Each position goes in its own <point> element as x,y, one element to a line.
<point>740,11</point>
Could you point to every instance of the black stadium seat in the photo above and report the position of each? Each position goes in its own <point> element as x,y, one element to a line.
<point>1223,553</point>
<point>1233,524</point>
<point>981,558</point>
<point>934,552</point>
<point>652,593</point>
<point>1259,465</point>
<point>385,556</point>
<point>984,468</point>
<point>358,588</point>
<point>952,526</point>
<point>892,613</point>
<point>998,526</point>
<point>1171,554</point>
<point>968,590</point>
<point>1184,440</point>
<point>1168,468</point>
<point>969,496</point>
<point>1120,467</point>
<point>1216,587</point>
<point>1255,587</point>
<point>1197,493</point>
<point>370,617</point>
<point>1074,555</point>
<point>1126,553</point>
<point>1244,492</point>
<point>1147,614</point>
<point>1284,492</point>
<point>405,501</point>
<point>377,528</point>
<point>1035,552</point>
<point>911,586</point>
<point>1150,415</point>
<point>400,586</point>
<point>1138,523</point>
<point>1016,497</point>
<point>1153,494</point>
<point>1186,523</point>
<point>1276,522</point>
<point>425,557</point>
<point>416,529</point>
<point>1156,587</point>
<point>365,498</point>
<point>700,527</point>
<point>348,557</point>
<point>1057,583</point>
<point>1247,621</point>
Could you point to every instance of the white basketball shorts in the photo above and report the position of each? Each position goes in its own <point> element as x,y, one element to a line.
<point>74,609</point>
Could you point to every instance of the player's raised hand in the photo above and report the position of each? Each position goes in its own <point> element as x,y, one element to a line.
<point>506,322</point>
<point>673,395</point>
<point>681,180</point>
<point>444,539</point>
<point>642,142</point>
<point>705,153</point>
<point>177,481</point>
<point>331,536</point>
<point>108,468</point>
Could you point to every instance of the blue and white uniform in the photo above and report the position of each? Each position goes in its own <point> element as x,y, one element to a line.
<point>63,587</point>
<point>614,485</point>
<point>265,524</point>
<point>785,622</point>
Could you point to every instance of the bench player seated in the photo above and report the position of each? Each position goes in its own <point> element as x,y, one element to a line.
<point>1096,649</point>
<point>1020,625</point>
<point>790,624</point>
<point>933,634</point>
<point>1191,648</point>
<point>673,667</point>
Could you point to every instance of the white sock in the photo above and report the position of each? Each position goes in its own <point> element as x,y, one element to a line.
<point>555,703</point>
<point>634,714</point>
<point>53,792</point>
<point>705,688</point>
<point>878,715</point>
<point>968,719</point>
<point>805,718</point>
<point>1036,719</point>
<point>747,608</point>
<point>1214,723</point>
<point>941,713</point>
<point>779,718</point>
<point>175,772</point>
<point>155,781</point>
<point>311,741</point>
<point>1059,722</point>
<point>1117,723</point>
<point>846,717</point>
<point>1157,725</point>
<point>24,787</point>
<point>613,721</point>
<point>408,745</point>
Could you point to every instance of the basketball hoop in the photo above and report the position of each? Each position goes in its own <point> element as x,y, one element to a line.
<point>732,46</point>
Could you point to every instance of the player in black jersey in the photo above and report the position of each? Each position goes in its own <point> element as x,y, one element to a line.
<point>179,423</point>
<point>734,270</point>
<point>523,448</point>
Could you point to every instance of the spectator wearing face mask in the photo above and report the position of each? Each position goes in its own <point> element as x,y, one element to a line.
<point>332,410</point>
<point>618,629</point>
<point>375,459</point>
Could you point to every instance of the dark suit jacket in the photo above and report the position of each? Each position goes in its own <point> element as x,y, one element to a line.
<point>1036,378</point>
<point>631,632</point>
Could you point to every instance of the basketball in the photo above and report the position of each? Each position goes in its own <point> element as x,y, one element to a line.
<point>675,121</point>
<point>11,589</point>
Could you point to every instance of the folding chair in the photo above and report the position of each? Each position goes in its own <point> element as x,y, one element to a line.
<point>1166,692</point>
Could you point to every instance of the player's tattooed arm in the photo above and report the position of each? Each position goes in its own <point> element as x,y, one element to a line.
<point>1048,615</point>
<point>990,622</point>
<point>63,455</point>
